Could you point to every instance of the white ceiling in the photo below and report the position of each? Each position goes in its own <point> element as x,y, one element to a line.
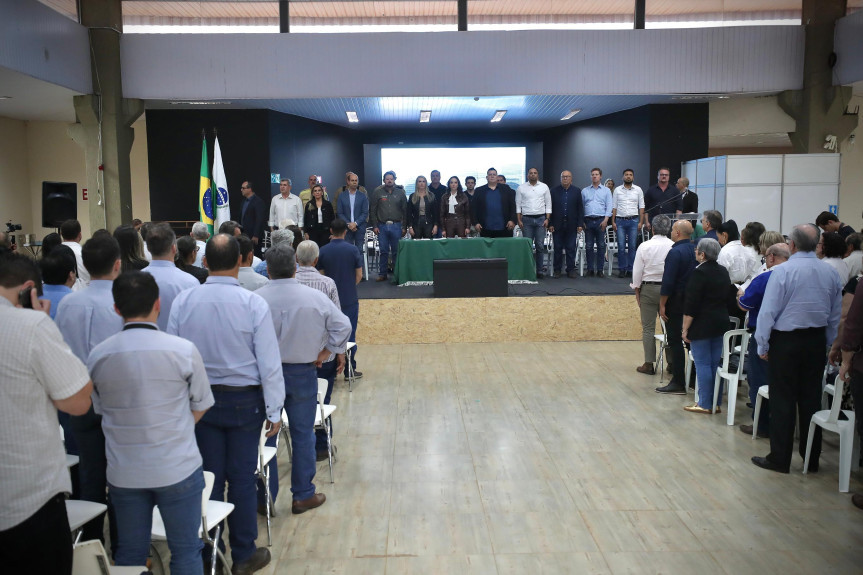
<point>32,99</point>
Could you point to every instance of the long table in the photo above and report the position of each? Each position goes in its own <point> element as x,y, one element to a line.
<point>415,262</point>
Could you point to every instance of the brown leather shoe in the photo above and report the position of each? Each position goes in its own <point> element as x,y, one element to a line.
<point>646,368</point>
<point>315,500</point>
<point>857,500</point>
<point>259,559</point>
<point>747,429</point>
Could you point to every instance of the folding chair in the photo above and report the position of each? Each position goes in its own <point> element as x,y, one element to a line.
<point>829,420</point>
<point>323,412</point>
<point>80,512</point>
<point>265,455</point>
<point>349,367</point>
<point>212,515</point>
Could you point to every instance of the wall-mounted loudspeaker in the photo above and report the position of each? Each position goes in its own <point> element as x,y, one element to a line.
<point>59,203</point>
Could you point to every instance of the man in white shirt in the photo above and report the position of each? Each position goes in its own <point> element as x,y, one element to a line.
<point>248,277</point>
<point>646,281</point>
<point>70,231</point>
<point>162,243</point>
<point>627,215</point>
<point>533,210</point>
<point>40,376</point>
<point>201,235</point>
<point>285,206</point>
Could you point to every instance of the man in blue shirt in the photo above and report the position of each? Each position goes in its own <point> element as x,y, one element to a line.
<point>342,262</point>
<point>59,272</point>
<point>493,208</point>
<point>597,210</point>
<point>149,418</point>
<point>86,318</point>
<point>750,300</point>
<point>162,243</point>
<point>798,320</point>
<point>233,330</point>
<point>567,219</point>
<point>679,264</point>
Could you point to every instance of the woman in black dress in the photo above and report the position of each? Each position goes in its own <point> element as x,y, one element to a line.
<point>318,216</point>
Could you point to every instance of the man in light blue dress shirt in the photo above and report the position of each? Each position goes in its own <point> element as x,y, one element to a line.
<point>233,330</point>
<point>149,417</point>
<point>597,211</point>
<point>310,328</point>
<point>162,243</point>
<point>798,320</point>
<point>86,318</point>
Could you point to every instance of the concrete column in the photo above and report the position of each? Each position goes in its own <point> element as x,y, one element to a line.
<point>819,108</point>
<point>104,119</point>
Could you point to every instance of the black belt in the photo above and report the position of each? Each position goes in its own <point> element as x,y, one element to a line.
<point>653,283</point>
<point>593,217</point>
<point>626,217</point>
<point>235,388</point>
<point>533,215</point>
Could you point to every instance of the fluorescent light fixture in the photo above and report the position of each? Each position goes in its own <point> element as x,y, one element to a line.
<point>571,114</point>
<point>352,117</point>
<point>5,97</point>
<point>196,103</point>
<point>498,116</point>
<point>425,116</point>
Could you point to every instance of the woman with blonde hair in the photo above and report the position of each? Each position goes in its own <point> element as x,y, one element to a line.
<point>422,211</point>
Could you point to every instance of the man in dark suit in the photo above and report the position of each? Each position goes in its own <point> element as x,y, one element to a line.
<point>253,216</point>
<point>567,218</point>
<point>493,208</point>
<point>688,198</point>
<point>353,207</point>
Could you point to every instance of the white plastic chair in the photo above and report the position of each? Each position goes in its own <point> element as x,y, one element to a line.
<point>323,412</point>
<point>829,420</point>
<point>265,455</point>
<point>71,460</point>
<point>285,431</point>
<point>89,558</point>
<point>80,512</point>
<point>763,393</point>
<point>724,372</point>
<point>610,246</point>
<point>580,253</point>
<point>349,368</point>
<point>212,515</point>
<point>662,338</point>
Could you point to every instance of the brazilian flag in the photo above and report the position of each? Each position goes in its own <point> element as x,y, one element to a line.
<point>205,197</point>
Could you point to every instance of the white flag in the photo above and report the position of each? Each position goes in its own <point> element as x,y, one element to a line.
<point>220,183</point>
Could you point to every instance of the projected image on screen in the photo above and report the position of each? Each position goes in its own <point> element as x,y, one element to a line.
<point>408,163</point>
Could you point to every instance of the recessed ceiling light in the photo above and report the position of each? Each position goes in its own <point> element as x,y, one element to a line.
<point>352,117</point>
<point>425,116</point>
<point>724,97</point>
<point>571,114</point>
<point>498,116</point>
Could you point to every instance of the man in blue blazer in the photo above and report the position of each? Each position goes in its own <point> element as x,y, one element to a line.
<point>253,216</point>
<point>567,218</point>
<point>353,207</point>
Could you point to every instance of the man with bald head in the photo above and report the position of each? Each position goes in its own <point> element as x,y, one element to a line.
<point>679,264</point>
<point>798,319</point>
<point>567,219</point>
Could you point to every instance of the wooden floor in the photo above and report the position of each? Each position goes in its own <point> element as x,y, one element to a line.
<point>543,458</point>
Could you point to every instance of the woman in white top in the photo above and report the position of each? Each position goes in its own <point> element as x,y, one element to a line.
<point>742,262</point>
<point>831,250</point>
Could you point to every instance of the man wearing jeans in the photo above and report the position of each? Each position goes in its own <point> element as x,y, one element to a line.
<point>533,210</point>
<point>387,215</point>
<point>310,328</point>
<point>149,418</point>
<point>233,330</point>
<point>597,210</point>
<point>627,215</point>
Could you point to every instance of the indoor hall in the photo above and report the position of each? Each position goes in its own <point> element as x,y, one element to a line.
<point>539,457</point>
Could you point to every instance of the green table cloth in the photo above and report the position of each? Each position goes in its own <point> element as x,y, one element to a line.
<point>415,262</point>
